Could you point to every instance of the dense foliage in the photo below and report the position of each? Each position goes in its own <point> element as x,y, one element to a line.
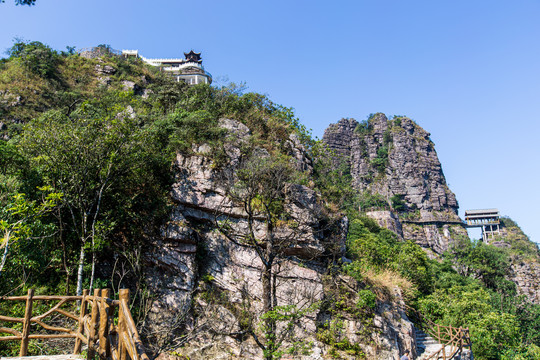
<point>86,162</point>
<point>468,288</point>
<point>23,2</point>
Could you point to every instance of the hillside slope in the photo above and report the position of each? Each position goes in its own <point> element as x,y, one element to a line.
<point>236,236</point>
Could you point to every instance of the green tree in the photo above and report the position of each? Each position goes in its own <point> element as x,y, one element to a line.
<point>86,155</point>
<point>398,202</point>
<point>414,264</point>
<point>486,263</point>
<point>333,178</point>
<point>470,306</point>
<point>260,186</point>
<point>23,2</point>
<point>371,245</point>
<point>494,332</point>
<point>18,215</point>
<point>36,57</point>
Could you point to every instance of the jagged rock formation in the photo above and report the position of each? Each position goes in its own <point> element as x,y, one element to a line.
<point>396,160</point>
<point>412,168</point>
<point>524,259</point>
<point>208,288</point>
<point>526,274</point>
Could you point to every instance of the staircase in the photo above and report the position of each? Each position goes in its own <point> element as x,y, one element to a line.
<point>438,342</point>
<point>426,345</point>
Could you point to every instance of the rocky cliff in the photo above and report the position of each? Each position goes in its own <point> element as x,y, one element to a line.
<point>208,288</point>
<point>395,162</point>
<point>524,259</point>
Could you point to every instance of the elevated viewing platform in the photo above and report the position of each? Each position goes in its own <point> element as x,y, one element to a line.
<point>189,69</point>
<point>475,218</point>
<point>487,219</point>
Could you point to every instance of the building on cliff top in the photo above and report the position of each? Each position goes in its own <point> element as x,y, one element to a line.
<point>189,69</point>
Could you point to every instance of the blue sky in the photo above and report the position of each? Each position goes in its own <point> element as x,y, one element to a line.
<point>466,71</point>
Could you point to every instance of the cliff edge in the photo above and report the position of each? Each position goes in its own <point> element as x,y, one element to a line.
<point>395,168</point>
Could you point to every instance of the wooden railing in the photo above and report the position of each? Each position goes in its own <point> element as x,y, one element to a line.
<point>451,338</point>
<point>452,341</point>
<point>93,325</point>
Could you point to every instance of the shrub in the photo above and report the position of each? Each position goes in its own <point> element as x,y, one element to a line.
<point>398,202</point>
<point>413,263</point>
<point>366,300</point>
<point>37,57</point>
<point>381,161</point>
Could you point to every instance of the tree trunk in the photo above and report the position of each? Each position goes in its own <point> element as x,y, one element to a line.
<point>268,291</point>
<point>6,249</point>
<point>270,332</point>
<point>80,271</point>
<point>93,266</point>
<point>94,229</point>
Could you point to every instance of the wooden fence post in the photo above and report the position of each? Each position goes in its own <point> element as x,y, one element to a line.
<point>104,323</point>
<point>93,324</point>
<point>122,326</point>
<point>444,351</point>
<point>80,328</point>
<point>26,323</point>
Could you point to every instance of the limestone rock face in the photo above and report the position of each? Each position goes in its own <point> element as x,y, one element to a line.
<point>526,274</point>
<point>207,287</point>
<point>104,70</point>
<point>387,219</point>
<point>339,138</point>
<point>433,233</point>
<point>395,159</point>
<point>524,267</point>
<point>411,167</point>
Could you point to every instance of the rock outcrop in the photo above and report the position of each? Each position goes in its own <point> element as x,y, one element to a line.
<point>524,259</point>
<point>395,160</point>
<point>208,288</point>
<point>525,275</point>
<point>393,157</point>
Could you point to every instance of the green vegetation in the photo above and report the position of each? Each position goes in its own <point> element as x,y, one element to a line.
<point>474,292</point>
<point>398,202</point>
<point>381,161</point>
<point>86,173</point>
<point>333,334</point>
<point>520,245</point>
<point>377,250</point>
<point>22,2</point>
<point>85,179</point>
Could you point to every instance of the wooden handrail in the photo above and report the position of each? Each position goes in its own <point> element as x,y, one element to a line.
<point>448,336</point>
<point>95,328</point>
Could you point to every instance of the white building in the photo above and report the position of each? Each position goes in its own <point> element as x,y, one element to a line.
<point>189,69</point>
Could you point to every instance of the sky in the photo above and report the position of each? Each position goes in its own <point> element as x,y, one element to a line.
<point>466,71</point>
